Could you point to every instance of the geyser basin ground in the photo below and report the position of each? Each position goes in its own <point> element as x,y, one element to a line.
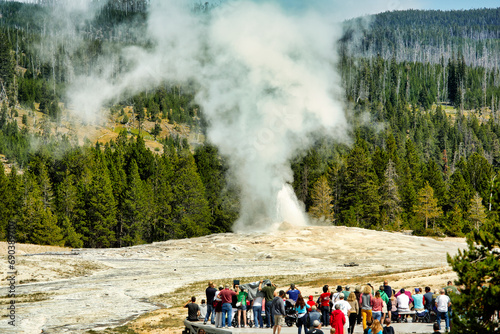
<point>112,285</point>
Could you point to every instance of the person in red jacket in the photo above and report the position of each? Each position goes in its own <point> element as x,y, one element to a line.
<point>337,320</point>
<point>310,303</point>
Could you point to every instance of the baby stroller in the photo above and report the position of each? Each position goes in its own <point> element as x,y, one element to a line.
<point>423,316</point>
<point>249,312</point>
<point>290,313</point>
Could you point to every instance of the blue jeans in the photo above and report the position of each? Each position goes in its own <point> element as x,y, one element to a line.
<point>210,313</point>
<point>325,315</point>
<point>376,315</point>
<point>257,316</point>
<point>227,309</point>
<point>446,319</point>
<point>302,322</point>
<point>269,315</point>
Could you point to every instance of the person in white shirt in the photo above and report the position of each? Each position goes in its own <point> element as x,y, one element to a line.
<point>345,307</point>
<point>403,302</point>
<point>443,302</point>
<point>218,312</point>
<point>203,309</point>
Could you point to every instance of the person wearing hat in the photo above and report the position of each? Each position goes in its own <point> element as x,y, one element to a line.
<point>268,292</point>
<point>310,303</point>
<point>346,292</point>
<point>418,300</point>
<point>335,296</point>
<point>316,328</point>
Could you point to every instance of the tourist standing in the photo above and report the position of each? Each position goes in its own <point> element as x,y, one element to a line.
<point>278,312</point>
<point>268,292</point>
<point>257,311</point>
<point>325,305</point>
<point>353,302</point>
<point>226,297</point>
<point>377,306</point>
<point>293,293</point>
<point>301,309</point>
<point>210,293</point>
<point>365,303</point>
<point>443,302</point>
<point>242,306</point>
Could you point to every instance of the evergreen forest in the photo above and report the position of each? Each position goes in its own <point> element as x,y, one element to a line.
<point>422,93</point>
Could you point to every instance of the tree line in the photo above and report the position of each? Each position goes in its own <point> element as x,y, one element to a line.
<point>116,195</point>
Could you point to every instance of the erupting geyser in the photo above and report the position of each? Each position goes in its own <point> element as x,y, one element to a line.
<point>266,82</point>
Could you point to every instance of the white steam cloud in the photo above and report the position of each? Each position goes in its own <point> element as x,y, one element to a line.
<point>267,82</point>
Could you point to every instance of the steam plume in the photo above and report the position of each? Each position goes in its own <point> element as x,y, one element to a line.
<point>267,84</point>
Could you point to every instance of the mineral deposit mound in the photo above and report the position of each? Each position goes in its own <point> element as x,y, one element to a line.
<point>64,290</point>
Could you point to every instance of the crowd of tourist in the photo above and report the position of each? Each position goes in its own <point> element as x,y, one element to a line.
<point>341,310</point>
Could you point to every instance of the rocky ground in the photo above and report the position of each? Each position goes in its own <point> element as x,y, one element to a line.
<point>73,291</point>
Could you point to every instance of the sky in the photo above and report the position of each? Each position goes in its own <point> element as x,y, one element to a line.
<point>360,8</point>
<point>458,4</point>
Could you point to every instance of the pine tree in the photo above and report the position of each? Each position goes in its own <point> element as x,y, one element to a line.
<point>136,209</point>
<point>7,65</point>
<point>479,174</point>
<point>67,201</point>
<point>361,200</point>
<point>478,270</point>
<point>427,207</point>
<point>4,209</point>
<point>455,224</point>
<point>100,209</point>
<point>38,225</point>
<point>459,191</point>
<point>390,197</point>
<point>45,186</point>
<point>160,226</point>
<point>190,212</point>
<point>212,170</point>
<point>322,198</point>
<point>477,212</point>
<point>434,176</point>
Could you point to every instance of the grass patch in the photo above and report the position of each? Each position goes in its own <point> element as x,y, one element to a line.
<point>25,298</point>
<point>117,330</point>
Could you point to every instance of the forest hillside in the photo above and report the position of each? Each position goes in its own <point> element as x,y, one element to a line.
<point>421,90</point>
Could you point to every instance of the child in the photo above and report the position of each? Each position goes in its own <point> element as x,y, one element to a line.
<point>368,326</point>
<point>388,328</point>
<point>332,331</point>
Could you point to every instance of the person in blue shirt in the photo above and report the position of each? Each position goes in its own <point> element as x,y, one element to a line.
<point>293,292</point>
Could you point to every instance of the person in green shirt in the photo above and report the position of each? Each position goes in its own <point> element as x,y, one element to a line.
<point>242,306</point>
<point>450,289</point>
<point>268,292</point>
<point>383,295</point>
